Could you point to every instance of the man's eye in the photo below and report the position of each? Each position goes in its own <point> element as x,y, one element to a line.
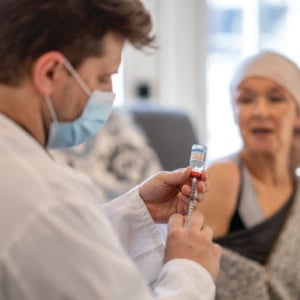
<point>104,79</point>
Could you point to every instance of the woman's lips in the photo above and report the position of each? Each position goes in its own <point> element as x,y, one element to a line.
<point>261,131</point>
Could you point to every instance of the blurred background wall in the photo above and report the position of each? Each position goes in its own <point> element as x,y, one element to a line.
<point>200,44</point>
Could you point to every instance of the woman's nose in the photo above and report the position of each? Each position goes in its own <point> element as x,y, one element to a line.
<point>260,108</point>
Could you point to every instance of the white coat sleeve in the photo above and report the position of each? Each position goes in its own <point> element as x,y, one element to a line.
<point>143,242</point>
<point>72,252</point>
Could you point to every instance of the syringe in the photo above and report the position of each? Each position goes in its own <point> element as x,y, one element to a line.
<point>197,162</point>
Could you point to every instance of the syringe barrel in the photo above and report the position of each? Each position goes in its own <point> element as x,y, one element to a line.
<point>197,159</point>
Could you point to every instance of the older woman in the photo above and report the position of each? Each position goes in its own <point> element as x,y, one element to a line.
<point>254,200</point>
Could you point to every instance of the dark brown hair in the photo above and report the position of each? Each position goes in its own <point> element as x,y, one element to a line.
<point>30,28</point>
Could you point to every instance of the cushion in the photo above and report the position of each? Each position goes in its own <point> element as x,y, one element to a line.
<point>116,159</point>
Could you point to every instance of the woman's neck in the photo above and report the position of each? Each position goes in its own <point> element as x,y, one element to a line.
<point>267,168</point>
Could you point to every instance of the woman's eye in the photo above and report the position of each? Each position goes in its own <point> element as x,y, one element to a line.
<point>276,98</point>
<point>245,99</point>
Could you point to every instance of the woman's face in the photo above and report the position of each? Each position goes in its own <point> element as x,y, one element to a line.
<point>266,115</point>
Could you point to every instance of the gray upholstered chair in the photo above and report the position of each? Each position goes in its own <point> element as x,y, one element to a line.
<point>169,131</point>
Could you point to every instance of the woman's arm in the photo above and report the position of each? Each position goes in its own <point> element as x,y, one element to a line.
<point>220,202</point>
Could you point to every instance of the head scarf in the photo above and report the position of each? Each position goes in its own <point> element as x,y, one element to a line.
<point>270,65</point>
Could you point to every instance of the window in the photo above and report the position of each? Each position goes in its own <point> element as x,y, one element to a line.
<point>238,29</point>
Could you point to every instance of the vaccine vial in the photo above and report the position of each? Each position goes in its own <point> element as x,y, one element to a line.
<point>197,160</point>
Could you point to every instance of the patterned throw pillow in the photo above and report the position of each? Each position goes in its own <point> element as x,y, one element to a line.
<point>116,159</point>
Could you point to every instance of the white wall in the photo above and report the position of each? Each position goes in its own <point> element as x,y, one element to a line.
<point>176,72</point>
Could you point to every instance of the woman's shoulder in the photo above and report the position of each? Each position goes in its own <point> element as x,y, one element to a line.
<point>226,168</point>
<point>221,200</point>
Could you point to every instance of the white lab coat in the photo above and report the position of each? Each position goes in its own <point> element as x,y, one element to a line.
<point>56,242</point>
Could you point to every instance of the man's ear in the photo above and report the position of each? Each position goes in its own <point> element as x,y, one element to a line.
<point>46,69</point>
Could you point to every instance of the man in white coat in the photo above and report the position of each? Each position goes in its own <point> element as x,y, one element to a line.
<point>56,241</point>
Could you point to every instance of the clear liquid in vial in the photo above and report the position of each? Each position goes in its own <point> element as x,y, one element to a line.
<point>197,160</point>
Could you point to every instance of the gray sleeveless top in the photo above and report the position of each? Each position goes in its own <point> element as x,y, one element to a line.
<point>250,233</point>
<point>279,277</point>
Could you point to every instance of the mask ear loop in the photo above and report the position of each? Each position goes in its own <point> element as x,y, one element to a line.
<point>51,109</point>
<point>74,73</point>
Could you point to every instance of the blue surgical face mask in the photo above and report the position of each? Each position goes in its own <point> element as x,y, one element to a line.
<point>92,119</point>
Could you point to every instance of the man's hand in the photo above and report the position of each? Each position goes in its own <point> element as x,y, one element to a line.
<point>189,238</point>
<point>167,193</point>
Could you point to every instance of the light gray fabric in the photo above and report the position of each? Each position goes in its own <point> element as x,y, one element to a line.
<point>249,208</point>
<point>244,279</point>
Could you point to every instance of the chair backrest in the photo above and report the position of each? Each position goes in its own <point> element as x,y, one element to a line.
<point>169,131</point>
